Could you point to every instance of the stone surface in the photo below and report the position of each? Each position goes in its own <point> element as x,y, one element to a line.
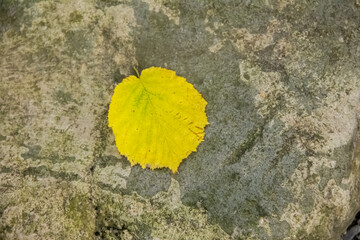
<point>280,158</point>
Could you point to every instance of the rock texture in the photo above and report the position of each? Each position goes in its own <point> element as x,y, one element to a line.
<point>280,158</point>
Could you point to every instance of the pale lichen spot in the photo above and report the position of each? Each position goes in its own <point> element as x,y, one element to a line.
<point>157,6</point>
<point>216,46</point>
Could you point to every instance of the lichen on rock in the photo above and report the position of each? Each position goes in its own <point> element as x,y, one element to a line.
<point>280,159</point>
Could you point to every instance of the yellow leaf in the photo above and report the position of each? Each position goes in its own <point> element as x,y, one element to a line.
<point>158,119</point>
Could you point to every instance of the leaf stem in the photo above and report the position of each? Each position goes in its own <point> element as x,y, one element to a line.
<point>137,72</point>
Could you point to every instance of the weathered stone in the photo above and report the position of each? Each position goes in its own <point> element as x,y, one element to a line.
<point>280,158</point>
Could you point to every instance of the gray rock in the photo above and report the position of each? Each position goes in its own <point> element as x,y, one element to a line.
<point>280,158</point>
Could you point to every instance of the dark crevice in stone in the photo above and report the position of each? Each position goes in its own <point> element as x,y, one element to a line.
<point>101,143</point>
<point>246,145</point>
<point>5,169</point>
<point>114,231</point>
<point>284,150</point>
<point>32,153</point>
<point>35,153</point>
<point>43,171</point>
<point>102,4</point>
<point>110,160</point>
<point>2,138</point>
<point>110,188</point>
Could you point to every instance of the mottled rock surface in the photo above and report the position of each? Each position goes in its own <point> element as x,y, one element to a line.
<point>280,158</point>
